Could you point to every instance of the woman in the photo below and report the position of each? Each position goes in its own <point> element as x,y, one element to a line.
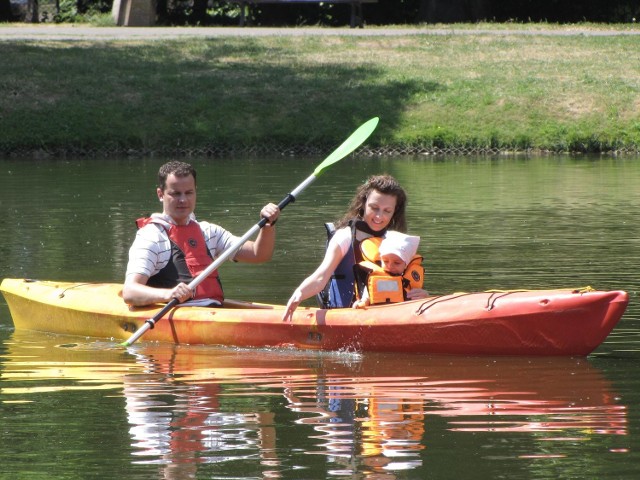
<point>379,205</point>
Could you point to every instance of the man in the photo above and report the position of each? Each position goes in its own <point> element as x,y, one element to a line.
<point>171,248</point>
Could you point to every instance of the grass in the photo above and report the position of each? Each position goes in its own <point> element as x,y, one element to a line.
<point>571,92</point>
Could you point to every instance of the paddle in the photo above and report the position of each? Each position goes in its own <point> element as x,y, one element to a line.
<point>348,146</point>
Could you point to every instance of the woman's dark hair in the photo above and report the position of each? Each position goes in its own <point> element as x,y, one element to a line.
<point>386,185</point>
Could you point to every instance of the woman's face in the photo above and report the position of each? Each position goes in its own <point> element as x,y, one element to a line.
<point>378,210</point>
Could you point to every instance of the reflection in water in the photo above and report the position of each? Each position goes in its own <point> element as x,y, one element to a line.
<point>180,423</point>
<point>33,367</point>
<point>189,408</point>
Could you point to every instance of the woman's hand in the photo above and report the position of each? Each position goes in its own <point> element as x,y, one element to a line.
<point>292,304</point>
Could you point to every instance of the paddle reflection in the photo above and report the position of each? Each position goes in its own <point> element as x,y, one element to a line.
<point>190,408</point>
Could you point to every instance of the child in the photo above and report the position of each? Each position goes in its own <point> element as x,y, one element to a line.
<point>400,275</point>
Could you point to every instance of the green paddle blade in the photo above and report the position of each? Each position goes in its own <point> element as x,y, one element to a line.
<point>349,145</point>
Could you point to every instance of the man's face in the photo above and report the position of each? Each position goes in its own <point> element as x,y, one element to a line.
<point>178,198</point>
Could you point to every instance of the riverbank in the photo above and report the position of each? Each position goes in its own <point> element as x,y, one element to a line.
<point>74,90</point>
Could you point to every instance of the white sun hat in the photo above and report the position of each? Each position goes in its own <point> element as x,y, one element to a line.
<point>400,244</point>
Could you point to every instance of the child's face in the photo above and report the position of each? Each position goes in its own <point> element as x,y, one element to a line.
<point>393,264</point>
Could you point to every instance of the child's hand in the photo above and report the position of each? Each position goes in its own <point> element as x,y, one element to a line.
<point>360,304</point>
<point>416,293</point>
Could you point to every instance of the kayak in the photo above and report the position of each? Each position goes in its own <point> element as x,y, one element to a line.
<point>562,322</point>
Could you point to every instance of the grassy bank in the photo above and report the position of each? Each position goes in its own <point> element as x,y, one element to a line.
<point>433,93</point>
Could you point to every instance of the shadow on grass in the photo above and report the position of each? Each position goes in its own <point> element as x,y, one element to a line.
<point>197,94</point>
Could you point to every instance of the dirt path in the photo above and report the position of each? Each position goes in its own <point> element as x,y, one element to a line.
<point>10,32</point>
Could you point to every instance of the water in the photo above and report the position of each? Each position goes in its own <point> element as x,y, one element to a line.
<point>86,408</point>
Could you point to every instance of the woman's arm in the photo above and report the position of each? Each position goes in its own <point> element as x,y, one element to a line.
<point>314,283</point>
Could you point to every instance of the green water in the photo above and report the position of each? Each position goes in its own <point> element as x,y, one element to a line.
<point>85,408</point>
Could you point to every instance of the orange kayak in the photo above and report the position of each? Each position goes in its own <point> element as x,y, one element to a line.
<point>561,322</point>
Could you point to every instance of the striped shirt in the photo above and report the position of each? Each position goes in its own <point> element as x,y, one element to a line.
<point>151,249</point>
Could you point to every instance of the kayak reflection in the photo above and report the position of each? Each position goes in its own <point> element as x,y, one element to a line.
<point>187,407</point>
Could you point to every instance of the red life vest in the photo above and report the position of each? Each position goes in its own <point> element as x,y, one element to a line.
<point>189,257</point>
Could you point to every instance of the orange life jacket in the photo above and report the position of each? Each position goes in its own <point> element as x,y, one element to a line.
<point>383,287</point>
<point>189,257</point>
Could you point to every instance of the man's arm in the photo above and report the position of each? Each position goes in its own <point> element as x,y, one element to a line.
<point>137,293</point>
<point>261,250</point>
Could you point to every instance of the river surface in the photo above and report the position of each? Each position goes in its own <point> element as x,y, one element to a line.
<point>78,408</point>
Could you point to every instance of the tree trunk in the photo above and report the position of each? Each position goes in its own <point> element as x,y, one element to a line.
<point>200,11</point>
<point>5,11</point>
<point>33,13</point>
<point>162,11</point>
